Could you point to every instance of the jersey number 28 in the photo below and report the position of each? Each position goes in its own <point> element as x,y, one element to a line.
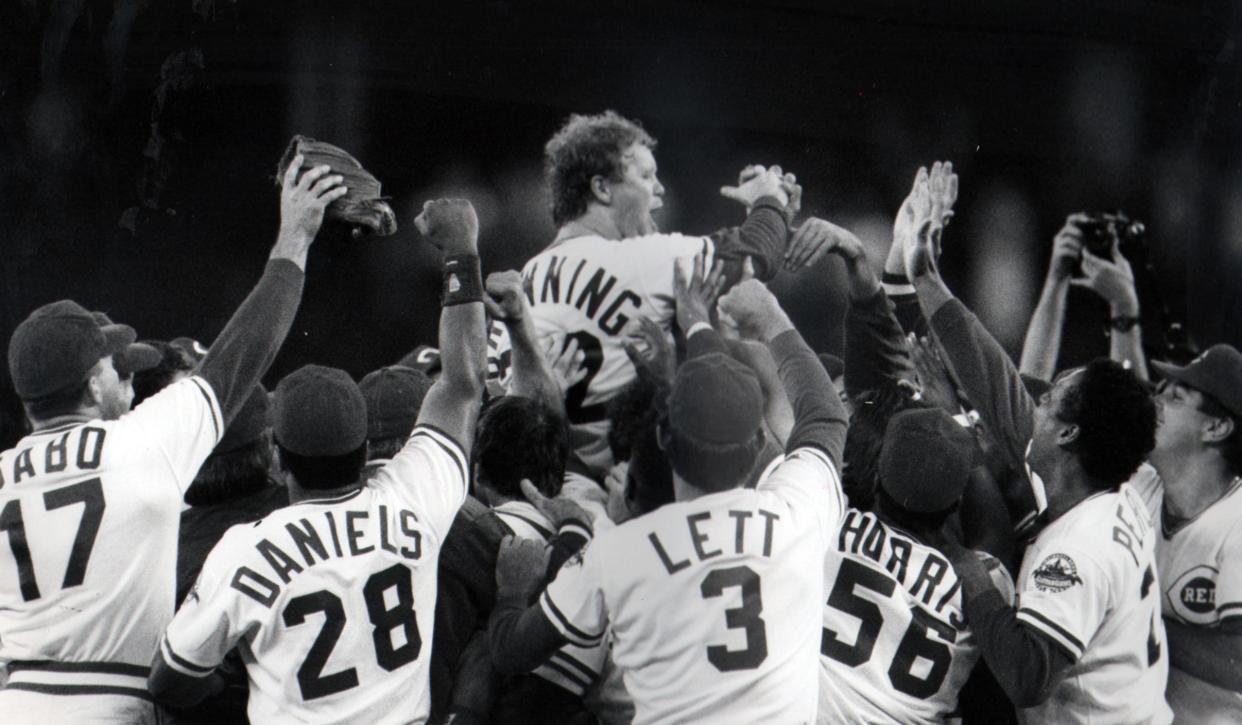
<point>313,683</point>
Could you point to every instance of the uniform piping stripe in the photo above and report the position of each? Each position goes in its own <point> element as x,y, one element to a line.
<point>1227,607</point>
<point>573,677</point>
<point>80,690</point>
<point>211,406</point>
<point>569,659</point>
<point>1058,633</point>
<point>105,668</point>
<point>445,441</point>
<point>569,629</point>
<point>543,530</point>
<point>182,662</point>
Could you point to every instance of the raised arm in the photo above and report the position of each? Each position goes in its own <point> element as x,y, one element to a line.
<point>767,194</point>
<point>249,342</point>
<point>531,373</point>
<point>452,404</point>
<point>1113,280</point>
<point>1043,336</point>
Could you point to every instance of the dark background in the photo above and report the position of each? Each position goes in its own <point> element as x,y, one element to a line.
<point>139,139</point>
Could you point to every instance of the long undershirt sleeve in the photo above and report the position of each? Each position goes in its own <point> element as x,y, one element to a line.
<point>875,349</point>
<point>819,417</point>
<point>763,237</point>
<point>249,342</point>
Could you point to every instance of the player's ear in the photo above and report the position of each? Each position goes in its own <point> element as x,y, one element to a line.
<point>1218,429</point>
<point>664,438</point>
<point>601,189</point>
<point>94,384</point>
<point>1068,434</point>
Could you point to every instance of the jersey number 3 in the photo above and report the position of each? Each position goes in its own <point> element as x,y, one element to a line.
<point>745,617</point>
<point>89,493</point>
<point>313,683</point>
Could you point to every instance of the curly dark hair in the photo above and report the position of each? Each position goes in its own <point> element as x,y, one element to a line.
<point>585,147</point>
<point>520,438</point>
<point>631,413</point>
<point>1116,418</point>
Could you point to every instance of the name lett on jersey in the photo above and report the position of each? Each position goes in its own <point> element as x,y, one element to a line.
<point>316,539</point>
<point>699,544</point>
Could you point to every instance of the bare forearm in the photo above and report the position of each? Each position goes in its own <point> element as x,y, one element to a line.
<point>532,375</point>
<point>1126,347</point>
<point>452,404</point>
<point>1042,344</point>
<point>1208,654</point>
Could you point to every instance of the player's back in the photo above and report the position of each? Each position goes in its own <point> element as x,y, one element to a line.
<point>895,644</point>
<point>587,289</point>
<point>1089,583</point>
<point>712,603</point>
<point>90,510</point>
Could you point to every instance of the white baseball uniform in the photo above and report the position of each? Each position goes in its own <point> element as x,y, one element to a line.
<point>587,289</point>
<point>1089,583</point>
<point>895,645</point>
<point>89,514</point>
<point>1197,564</point>
<point>332,601</point>
<point>713,603</point>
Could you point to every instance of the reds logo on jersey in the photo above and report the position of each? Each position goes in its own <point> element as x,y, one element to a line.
<point>1192,596</point>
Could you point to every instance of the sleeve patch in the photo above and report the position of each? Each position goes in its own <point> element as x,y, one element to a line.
<point>1056,573</point>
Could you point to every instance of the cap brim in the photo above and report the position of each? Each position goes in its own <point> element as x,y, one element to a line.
<point>136,357</point>
<point>118,337</point>
<point>1186,375</point>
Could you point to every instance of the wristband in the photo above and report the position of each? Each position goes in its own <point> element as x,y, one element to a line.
<point>463,280</point>
<point>1121,323</point>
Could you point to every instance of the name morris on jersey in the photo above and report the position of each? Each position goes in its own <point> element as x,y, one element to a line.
<point>345,531</point>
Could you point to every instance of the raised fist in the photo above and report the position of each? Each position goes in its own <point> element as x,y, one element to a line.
<point>451,225</point>
<point>754,310</point>
<point>505,299</point>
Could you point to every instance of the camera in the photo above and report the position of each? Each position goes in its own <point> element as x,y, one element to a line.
<point>1101,227</point>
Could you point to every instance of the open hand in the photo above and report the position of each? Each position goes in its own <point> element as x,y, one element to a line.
<point>1112,279</point>
<point>756,182</point>
<point>303,200</point>
<point>817,237</point>
<point>694,297</point>
<point>558,509</point>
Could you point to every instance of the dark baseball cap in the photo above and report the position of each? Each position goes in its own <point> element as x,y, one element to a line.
<point>1217,372</point>
<point>253,418</point>
<point>135,356</point>
<point>833,364</point>
<point>715,399</point>
<point>424,358</point>
<point>319,411</point>
<point>58,345</point>
<point>394,395</point>
<point>926,460</point>
<point>193,349</point>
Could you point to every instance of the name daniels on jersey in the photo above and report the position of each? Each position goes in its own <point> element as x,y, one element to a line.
<point>862,534</point>
<point>552,281</point>
<point>703,548</point>
<point>316,539</point>
<point>57,455</point>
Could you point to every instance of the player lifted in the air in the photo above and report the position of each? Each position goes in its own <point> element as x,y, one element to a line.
<point>713,601</point>
<point>90,501</point>
<point>331,599</point>
<point>609,264</point>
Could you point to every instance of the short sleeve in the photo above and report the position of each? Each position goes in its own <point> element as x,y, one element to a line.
<point>430,473</point>
<point>808,477</point>
<point>1229,578</point>
<point>211,619</point>
<point>1065,597</point>
<point>656,254</point>
<point>183,421</point>
<point>574,601</point>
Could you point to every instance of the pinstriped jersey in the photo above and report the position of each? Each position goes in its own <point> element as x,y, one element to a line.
<point>713,603</point>
<point>89,514</point>
<point>331,602</point>
<point>1089,584</point>
<point>587,289</point>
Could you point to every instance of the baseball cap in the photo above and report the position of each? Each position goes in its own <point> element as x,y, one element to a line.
<point>393,395</point>
<point>833,364</point>
<point>1217,372</point>
<point>135,356</point>
<point>424,358</point>
<point>715,399</point>
<point>253,418</point>
<point>319,411</point>
<point>926,460</point>
<point>58,345</point>
<point>192,348</point>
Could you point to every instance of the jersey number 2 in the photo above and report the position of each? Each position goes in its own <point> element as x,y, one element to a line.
<point>311,680</point>
<point>915,642</point>
<point>89,493</point>
<point>745,617</point>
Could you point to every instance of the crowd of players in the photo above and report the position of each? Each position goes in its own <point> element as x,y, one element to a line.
<point>638,496</point>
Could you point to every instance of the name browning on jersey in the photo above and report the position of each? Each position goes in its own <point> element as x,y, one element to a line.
<point>348,538</point>
<point>700,542</point>
<point>552,283</point>
<point>55,455</point>
<point>863,534</point>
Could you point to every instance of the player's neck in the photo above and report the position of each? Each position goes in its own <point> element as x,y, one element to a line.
<point>596,221</point>
<point>297,494</point>
<point>683,490</point>
<point>1201,482</point>
<point>81,416</point>
<point>1067,487</point>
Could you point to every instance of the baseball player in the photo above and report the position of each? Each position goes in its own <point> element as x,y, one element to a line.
<point>712,599</point>
<point>609,264</point>
<point>90,500</point>
<point>332,598</point>
<point>1085,643</point>
<point>896,645</point>
<point>1196,504</point>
